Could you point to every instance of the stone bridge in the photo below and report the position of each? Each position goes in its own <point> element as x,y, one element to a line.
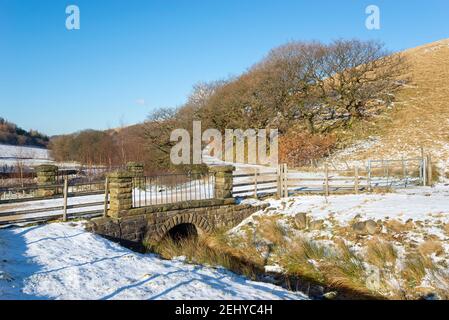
<point>136,227</point>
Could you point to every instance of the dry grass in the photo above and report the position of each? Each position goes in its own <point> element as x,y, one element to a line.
<point>420,115</point>
<point>446,228</point>
<point>396,226</point>
<point>381,253</point>
<point>430,247</point>
<point>214,250</point>
<point>341,268</point>
<point>415,268</point>
<point>270,229</point>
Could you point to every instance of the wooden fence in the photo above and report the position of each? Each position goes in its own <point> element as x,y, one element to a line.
<point>74,199</point>
<point>375,174</point>
<point>88,200</point>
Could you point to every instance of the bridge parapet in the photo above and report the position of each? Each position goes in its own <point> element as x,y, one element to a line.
<point>148,225</point>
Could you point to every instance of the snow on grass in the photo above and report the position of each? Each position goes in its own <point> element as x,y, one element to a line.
<point>8,151</point>
<point>419,203</point>
<point>63,261</point>
<point>413,222</point>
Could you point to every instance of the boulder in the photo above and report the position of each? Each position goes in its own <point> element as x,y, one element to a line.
<point>366,227</point>
<point>316,225</point>
<point>301,220</point>
<point>359,228</point>
<point>371,227</point>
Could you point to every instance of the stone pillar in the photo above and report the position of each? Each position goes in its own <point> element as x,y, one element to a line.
<point>46,177</point>
<point>135,168</point>
<point>120,193</point>
<point>223,181</point>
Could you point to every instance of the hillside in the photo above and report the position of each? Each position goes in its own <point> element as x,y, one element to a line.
<point>12,134</point>
<point>420,116</point>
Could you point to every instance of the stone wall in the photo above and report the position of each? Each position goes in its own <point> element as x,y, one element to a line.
<point>150,224</point>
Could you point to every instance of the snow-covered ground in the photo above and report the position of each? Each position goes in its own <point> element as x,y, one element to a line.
<point>414,221</point>
<point>418,203</point>
<point>63,261</point>
<point>28,156</point>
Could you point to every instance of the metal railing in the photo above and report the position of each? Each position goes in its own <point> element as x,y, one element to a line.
<point>172,188</point>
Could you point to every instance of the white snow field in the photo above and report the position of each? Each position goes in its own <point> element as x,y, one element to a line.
<point>63,261</point>
<point>417,203</point>
<point>9,155</point>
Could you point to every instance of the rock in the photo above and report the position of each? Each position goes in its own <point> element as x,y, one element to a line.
<point>316,225</point>
<point>366,227</point>
<point>410,224</point>
<point>330,295</point>
<point>371,227</point>
<point>301,220</point>
<point>359,228</point>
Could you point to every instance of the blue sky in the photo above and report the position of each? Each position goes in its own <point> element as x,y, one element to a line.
<point>131,56</point>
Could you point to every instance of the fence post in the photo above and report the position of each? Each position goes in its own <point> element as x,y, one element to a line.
<point>279,180</point>
<point>106,195</point>
<point>424,171</point>
<point>66,191</point>
<point>429,170</point>
<point>356,179</point>
<point>404,172</point>
<point>369,176</point>
<point>326,180</point>
<point>255,183</point>
<point>285,187</point>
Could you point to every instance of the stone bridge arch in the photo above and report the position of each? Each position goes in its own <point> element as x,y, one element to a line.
<point>200,222</point>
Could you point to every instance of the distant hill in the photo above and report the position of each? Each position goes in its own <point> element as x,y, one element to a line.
<point>12,134</point>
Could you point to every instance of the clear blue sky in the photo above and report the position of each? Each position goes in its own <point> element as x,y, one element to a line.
<point>130,51</point>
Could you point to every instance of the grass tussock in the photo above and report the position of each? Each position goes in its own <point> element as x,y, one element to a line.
<point>396,226</point>
<point>339,268</point>
<point>213,250</point>
<point>269,228</point>
<point>381,253</point>
<point>415,269</point>
<point>430,247</point>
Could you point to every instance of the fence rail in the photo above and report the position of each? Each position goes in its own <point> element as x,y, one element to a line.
<point>86,203</point>
<point>71,199</point>
<point>386,173</point>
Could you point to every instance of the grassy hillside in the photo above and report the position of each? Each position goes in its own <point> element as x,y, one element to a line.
<point>420,116</point>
